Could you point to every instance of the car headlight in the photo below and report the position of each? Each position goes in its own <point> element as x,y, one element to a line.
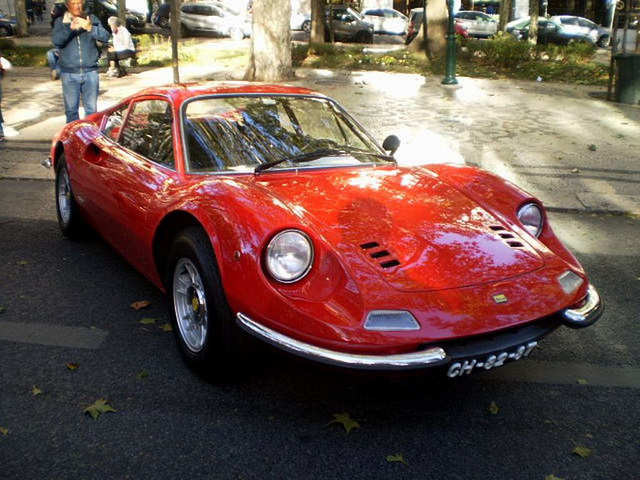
<point>289,256</point>
<point>530,216</point>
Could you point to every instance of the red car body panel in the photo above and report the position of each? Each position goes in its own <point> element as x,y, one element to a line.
<point>450,233</point>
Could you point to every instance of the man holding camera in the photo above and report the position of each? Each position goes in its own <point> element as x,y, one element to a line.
<point>76,34</point>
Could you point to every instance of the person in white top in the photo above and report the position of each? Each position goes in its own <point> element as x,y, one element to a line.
<point>122,48</point>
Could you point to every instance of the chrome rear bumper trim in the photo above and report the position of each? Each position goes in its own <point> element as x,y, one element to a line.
<point>586,315</point>
<point>406,361</point>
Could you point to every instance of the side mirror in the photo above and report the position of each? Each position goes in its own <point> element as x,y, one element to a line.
<point>391,144</point>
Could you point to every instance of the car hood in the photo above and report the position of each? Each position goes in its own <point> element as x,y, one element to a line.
<point>405,226</point>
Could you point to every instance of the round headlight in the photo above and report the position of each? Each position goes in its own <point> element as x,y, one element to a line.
<point>289,256</point>
<point>530,216</point>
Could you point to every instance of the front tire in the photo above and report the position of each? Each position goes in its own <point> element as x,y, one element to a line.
<point>202,321</point>
<point>70,220</point>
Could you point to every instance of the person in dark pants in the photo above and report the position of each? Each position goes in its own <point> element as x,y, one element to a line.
<point>122,48</point>
<point>76,34</point>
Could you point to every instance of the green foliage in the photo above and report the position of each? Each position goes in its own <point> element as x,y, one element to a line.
<point>504,51</point>
<point>21,56</point>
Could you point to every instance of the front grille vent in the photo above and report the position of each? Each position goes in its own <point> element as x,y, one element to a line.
<point>383,257</point>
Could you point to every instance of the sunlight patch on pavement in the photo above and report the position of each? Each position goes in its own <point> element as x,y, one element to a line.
<point>396,86</point>
<point>52,335</point>
<point>420,147</point>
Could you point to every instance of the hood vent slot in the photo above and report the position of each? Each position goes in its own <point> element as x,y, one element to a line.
<point>383,256</point>
<point>507,236</point>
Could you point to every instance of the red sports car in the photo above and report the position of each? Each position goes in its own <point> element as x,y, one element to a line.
<point>270,210</point>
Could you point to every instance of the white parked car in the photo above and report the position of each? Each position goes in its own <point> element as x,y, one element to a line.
<point>300,21</point>
<point>387,21</point>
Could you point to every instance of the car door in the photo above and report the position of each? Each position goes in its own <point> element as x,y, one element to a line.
<point>135,172</point>
<point>213,19</point>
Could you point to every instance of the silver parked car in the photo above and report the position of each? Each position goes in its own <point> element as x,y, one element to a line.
<point>478,24</point>
<point>215,18</point>
<point>387,21</point>
<point>579,25</point>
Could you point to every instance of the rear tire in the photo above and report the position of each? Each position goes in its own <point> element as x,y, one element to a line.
<point>306,26</point>
<point>70,220</point>
<point>364,37</point>
<point>207,336</point>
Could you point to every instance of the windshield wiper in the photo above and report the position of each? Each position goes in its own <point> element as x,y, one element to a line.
<point>304,157</point>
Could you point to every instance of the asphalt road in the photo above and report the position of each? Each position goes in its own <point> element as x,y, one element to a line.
<point>69,303</point>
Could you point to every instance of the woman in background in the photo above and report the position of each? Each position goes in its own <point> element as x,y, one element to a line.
<point>122,47</point>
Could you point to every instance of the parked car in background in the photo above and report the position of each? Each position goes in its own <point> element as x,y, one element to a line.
<point>7,26</point>
<point>387,21</point>
<point>216,18</point>
<point>348,25</point>
<point>548,32</point>
<point>477,24</point>
<point>300,21</point>
<point>161,16</point>
<point>415,24</point>
<point>103,9</point>
<point>599,35</point>
<point>268,210</point>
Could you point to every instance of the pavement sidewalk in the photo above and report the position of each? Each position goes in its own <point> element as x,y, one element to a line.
<point>564,143</point>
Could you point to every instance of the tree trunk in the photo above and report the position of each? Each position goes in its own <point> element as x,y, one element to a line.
<point>270,57</point>
<point>505,8</point>
<point>122,9</point>
<point>317,22</point>
<point>175,37</point>
<point>534,9</point>
<point>22,28</point>
<point>434,30</point>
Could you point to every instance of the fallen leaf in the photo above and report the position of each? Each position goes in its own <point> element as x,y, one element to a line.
<point>493,408</point>
<point>397,458</point>
<point>582,381</point>
<point>36,391</point>
<point>4,431</point>
<point>147,321</point>
<point>583,452</point>
<point>575,170</point>
<point>1,309</point>
<point>140,304</point>
<point>166,327</point>
<point>99,407</point>
<point>552,477</point>
<point>592,147</point>
<point>23,263</point>
<point>142,374</point>
<point>589,436</point>
<point>72,366</point>
<point>345,420</point>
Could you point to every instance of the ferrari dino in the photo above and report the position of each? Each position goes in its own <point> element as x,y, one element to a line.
<point>269,210</point>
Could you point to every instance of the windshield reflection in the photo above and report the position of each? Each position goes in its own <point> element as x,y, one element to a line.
<point>237,133</point>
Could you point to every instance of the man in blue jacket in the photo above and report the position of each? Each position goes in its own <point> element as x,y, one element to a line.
<point>76,35</point>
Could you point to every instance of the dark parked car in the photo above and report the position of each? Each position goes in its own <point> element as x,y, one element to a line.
<point>548,32</point>
<point>7,26</point>
<point>103,9</point>
<point>348,25</point>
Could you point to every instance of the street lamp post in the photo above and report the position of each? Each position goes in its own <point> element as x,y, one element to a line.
<point>450,65</point>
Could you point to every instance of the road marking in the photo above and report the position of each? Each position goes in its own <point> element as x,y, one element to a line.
<point>566,374</point>
<point>53,335</point>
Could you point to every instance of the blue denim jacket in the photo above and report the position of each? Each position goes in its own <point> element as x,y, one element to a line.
<point>79,51</point>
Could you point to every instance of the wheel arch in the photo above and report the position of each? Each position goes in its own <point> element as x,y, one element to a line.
<point>58,151</point>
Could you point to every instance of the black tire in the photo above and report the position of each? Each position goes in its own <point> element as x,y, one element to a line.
<point>165,22</point>
<point>5,32</point>
<point>208,338</point>
<point>70,220</point>
<point>364,37</point>
<point>306,26</point>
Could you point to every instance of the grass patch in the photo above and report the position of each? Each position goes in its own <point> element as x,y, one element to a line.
<point>27,56</point>
<point>502,57</point>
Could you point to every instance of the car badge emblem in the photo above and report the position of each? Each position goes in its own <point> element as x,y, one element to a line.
<point>500,298</point>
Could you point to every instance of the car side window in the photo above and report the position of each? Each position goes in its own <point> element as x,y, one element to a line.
<point>148,131</point>
<point>113,123</point>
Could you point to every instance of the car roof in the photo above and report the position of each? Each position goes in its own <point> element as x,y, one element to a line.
<point>184,91</point>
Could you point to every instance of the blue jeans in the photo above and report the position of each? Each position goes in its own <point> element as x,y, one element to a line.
<point>76,86</point>
<point>52,59</point>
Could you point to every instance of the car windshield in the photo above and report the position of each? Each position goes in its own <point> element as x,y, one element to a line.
<point>240,133</point>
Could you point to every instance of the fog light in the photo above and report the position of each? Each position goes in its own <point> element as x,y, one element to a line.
<point>569,281</point>
<point>391,321</point>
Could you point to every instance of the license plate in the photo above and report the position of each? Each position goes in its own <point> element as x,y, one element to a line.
<point>494,360</point>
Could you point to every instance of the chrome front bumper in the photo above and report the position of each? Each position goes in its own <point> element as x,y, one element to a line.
<point>407,361</point>
<point>433,356</point>
<point>587,314</point>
